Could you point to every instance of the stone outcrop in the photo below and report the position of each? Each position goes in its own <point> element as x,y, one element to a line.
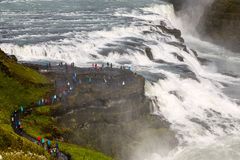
<point>221,23</point>
<point>111,116</point>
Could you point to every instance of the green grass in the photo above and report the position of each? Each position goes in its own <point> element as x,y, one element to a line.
<point>21,87</point>
<point>79,153</point>
<point>35,125</point>
<point>22,73</point>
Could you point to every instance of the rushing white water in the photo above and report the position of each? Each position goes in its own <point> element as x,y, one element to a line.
<point>205,119</point>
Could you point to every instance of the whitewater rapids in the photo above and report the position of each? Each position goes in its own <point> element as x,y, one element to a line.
<point>206,119</point>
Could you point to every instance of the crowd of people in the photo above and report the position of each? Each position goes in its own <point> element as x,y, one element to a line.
<point>61,92</point>
<point>53,150</point>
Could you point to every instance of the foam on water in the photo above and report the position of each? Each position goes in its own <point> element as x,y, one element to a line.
<point>199,112</point>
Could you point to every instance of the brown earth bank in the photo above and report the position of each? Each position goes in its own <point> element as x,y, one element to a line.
<point>108,116</point>
<point>221,23</point>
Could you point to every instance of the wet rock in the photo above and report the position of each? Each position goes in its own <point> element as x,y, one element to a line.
<point>203,61</point>
<point>175,32</point>
<point>152,77</point>
<point>148,52</point>
<point>194,52</point>
<point>185,49</point>
<point>110,117</point>
<point>13,57</point>
<point>175,93</point>
<point>180,58</point>
<point>201,123</point>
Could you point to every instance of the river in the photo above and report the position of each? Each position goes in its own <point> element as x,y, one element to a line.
<point>204,110</point>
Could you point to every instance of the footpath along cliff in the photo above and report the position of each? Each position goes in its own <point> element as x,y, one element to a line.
<point>109,112</point>
<point>106,110</point>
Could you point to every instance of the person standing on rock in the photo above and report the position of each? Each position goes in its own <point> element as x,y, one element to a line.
<point>89,80</point>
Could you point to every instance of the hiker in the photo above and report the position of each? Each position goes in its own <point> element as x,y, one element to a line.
<point>66,67</point>
<point>79,81</point>
<point>42,141</point>
<point>56,145</point>
<point>55,97</point>
<point>17,124</point>
<point>104,79</point>
<point>60,96</point>
<point>15,113</point>
<point>39,140</point>
<point>111,65</point>
<point>48,144</point>
<point>12,118</point>
<point>21,109</point>
<point>43,102</point>
<point>49,65</point>
<point>20,128</point>
<point>39,103</point>
<point>74,78</point>
<point>89,80</point>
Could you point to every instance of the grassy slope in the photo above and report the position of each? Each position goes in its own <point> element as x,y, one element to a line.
<point>20,85</point>
<point>36,123</point>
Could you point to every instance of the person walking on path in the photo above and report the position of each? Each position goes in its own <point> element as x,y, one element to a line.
<point>42,141</point>
<point>48,145</point>
<point>21,109</point>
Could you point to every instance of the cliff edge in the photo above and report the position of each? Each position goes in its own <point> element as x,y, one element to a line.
<point>221,23</point>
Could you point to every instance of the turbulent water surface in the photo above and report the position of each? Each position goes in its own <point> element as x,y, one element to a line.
<point>201,102</point>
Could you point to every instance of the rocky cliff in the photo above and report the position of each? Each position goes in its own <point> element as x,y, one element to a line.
<point>221,23</point>
<point>111,116</point>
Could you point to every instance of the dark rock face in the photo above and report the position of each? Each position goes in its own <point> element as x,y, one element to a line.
<point>111,117</point>
<point>13,57</point>
<point>149,53</point>
<point>221,23</point>
<point>175,32</point>
<point>180,58</point>
<point>178,4</point>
